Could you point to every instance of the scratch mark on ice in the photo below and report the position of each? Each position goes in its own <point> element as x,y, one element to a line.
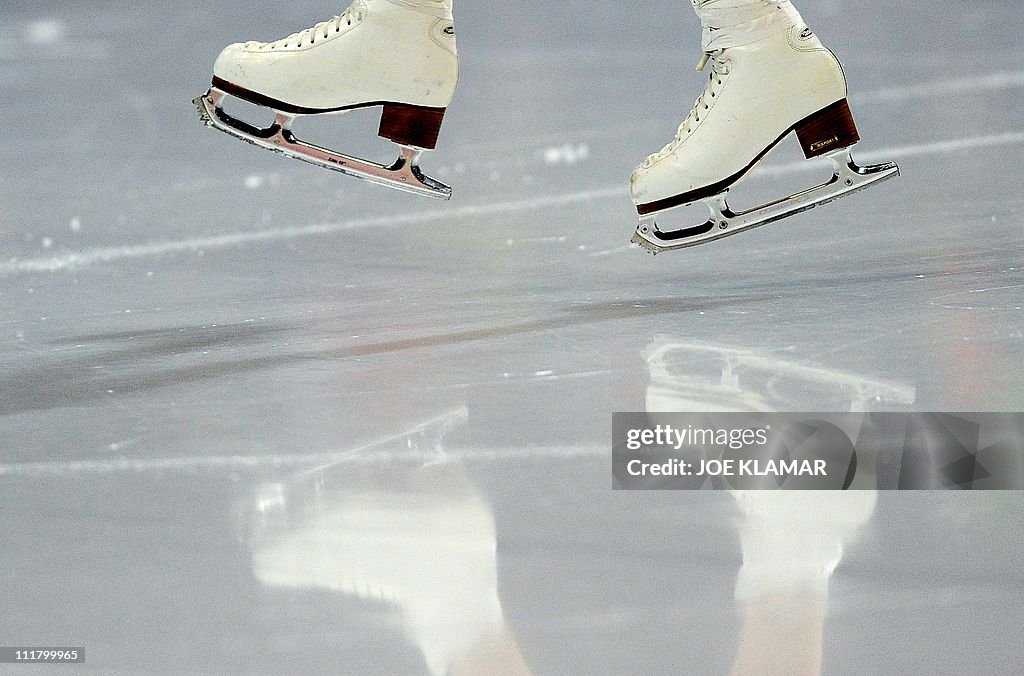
<point>236,463</point>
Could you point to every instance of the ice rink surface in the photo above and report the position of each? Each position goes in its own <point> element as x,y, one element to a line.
<point>261,418</point>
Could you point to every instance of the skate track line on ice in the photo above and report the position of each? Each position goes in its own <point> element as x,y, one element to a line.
<point>392,448</point>
<point>298,461</point>
<point>94,256</point>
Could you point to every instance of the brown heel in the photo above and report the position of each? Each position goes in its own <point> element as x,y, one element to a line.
<point>408,125</point>
<point>828,129</point>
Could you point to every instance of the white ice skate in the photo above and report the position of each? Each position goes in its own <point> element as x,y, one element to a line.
<point>761,88</point>
<point>398,54</point>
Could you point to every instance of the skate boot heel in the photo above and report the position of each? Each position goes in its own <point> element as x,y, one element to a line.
<point>408,125</point>
<point>831,128</point>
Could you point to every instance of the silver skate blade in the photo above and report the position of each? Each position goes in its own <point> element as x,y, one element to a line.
<point>404,174</point>
<point>848,177</point>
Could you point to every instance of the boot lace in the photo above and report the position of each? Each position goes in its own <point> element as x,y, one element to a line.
<point>322,30</point>
<point>719,69</point>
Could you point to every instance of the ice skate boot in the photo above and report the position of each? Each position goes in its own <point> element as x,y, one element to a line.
<point>398,54</point>
<point>770,75</point>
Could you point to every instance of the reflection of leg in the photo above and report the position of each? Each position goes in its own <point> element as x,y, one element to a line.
<point>792,542</point>
<point>781,636</point>
<point>496,655</point>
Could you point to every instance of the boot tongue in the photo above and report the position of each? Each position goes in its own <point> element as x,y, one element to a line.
<point>734,23</point>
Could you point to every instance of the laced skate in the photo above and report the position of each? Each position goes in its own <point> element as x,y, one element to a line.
<point>397,55</point>
<point>757,94</point>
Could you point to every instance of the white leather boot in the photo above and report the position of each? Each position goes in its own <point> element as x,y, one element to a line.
<point>757,92</point>
<point>397,54</point>
<point>770,75</point>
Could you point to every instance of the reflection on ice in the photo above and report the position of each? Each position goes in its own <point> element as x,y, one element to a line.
<point>792,541</point>
<point>705,377</point>
<point>407,530</point>
<point>411,535</point>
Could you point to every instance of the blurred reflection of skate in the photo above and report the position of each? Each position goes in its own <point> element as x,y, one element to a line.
<point>412,534</point>
<point>705,377</point>
<point>792,541</point>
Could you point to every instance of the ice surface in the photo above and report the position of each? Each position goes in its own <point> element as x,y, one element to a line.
<point>223,372</point>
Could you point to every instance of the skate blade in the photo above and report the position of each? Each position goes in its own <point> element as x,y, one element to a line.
<point>848,177</point>
<point>404,174</point>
